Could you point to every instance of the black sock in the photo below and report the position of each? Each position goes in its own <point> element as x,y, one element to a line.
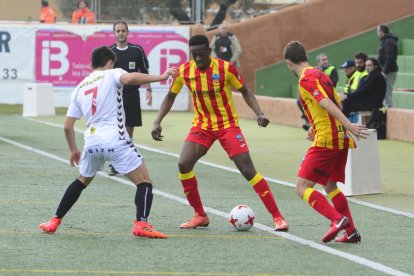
<point>69,198</point>
<point>143,200</point>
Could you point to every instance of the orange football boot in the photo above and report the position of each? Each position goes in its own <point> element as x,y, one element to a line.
<point>281,224</point>
<point>196,221</point>
<point>144,229</point>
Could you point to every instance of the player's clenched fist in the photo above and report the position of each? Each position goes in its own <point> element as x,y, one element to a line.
<point>262,121</point>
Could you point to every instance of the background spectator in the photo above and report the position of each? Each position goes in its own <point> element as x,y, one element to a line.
<point>83,15</point>
<point>349,68</point>
<point>387,59</point>
<point>225,45</point>
<point>370,95</point>
<point>322,62</point>
<point>47,15</point>
<point>351,83</point>
<point>362,74</point>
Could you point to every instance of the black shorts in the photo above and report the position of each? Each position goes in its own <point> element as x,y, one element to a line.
<point>132,108</point>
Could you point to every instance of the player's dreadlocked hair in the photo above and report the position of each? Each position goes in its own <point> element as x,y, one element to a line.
<point>101,56</point>
<point>199,40</point>
<point>295,52</point>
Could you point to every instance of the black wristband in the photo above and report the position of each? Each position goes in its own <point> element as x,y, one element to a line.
<point>149,89</point>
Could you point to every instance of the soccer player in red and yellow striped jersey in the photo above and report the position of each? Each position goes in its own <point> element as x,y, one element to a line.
<point>210,81</point>
<point>330,130</point>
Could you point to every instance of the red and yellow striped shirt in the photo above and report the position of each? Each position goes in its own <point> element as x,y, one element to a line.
<point>211,90</point>
<point>314,85</point>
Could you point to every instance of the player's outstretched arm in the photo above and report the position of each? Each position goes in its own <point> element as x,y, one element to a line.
<point>164,109</point>
<point>251,101</point>
<point>358,130</point>
<point>139,78</point>
<point>70,138</point>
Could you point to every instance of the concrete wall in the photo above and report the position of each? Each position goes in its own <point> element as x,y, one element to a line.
<point>281,111</point>
<point>284,111</point>
<point>400,124</point>
<point>316,23</point>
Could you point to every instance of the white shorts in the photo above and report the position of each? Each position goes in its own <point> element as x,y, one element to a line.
<point>124,157</point>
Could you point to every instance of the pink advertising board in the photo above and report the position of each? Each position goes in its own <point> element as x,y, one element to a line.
<point>63,57</point>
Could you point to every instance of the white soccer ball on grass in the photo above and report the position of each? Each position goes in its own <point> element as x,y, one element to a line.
<point>242,217</point>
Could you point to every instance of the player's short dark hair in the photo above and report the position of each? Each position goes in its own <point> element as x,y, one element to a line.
<point>383,28</point>
<point>361,55</point>
<point>44,3</point>
<point>101,56</point>
<point>120,22</point>
<point>199,40</point>
<point>295,52</point>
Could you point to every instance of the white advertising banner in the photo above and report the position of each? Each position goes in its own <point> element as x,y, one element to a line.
<point>17,51</point>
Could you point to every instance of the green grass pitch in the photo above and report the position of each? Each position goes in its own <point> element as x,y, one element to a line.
<point>95,237</point>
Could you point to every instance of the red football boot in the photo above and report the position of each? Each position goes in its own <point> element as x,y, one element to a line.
<point>50,226</point>
<point>336,227</point>
<point>354,237</point>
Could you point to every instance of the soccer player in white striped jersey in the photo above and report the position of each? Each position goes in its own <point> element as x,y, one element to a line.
<point>99,99</point>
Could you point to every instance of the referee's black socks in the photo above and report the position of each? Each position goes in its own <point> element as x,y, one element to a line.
<point>143,200</point>
<point>69,198</point>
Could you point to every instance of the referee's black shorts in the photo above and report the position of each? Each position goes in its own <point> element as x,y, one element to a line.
<point>132,108</point>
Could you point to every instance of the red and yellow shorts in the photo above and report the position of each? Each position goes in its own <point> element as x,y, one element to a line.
<point>231,139</point>
<point>321,165</point>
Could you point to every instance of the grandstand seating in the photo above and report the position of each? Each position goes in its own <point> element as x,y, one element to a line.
<point>404,86</point>
<point>408,47</point>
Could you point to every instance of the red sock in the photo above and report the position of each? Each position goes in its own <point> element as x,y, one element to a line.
<point>189,182</point>
<point>262,189</point>
<point>341,205</point>
<point>318,202</point>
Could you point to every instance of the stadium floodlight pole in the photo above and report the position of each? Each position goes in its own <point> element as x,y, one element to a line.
<point>95,5</point>
<point>198,7</point>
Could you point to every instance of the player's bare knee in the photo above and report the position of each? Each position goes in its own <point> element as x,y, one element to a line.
<point>247,172</point>
<point>142,182</point>
<point>184,167</point>
<point>299,191</point>
<point>85,180</point>
<point>301,186</point>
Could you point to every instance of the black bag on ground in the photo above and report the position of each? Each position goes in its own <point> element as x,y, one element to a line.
<point>378,122</point>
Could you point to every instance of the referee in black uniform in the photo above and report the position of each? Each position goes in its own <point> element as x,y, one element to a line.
<point>131,58</point>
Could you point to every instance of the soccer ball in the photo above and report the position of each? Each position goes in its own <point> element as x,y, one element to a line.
<point>242,217</point>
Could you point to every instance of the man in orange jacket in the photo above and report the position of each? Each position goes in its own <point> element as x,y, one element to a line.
<point>47,15</point>
<point>83,15</point>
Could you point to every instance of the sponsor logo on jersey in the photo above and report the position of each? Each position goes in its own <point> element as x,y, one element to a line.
<point>216,77</point>
<point>132,65</point>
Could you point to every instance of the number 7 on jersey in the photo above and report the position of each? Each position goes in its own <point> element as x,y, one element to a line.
<point>94,92</point>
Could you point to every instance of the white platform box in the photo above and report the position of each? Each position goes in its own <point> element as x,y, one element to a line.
<point>38,100</point>
<point>362,173</point>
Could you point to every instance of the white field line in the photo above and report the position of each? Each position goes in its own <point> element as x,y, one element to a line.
<point>353,258</point>
<point>273,180</point>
